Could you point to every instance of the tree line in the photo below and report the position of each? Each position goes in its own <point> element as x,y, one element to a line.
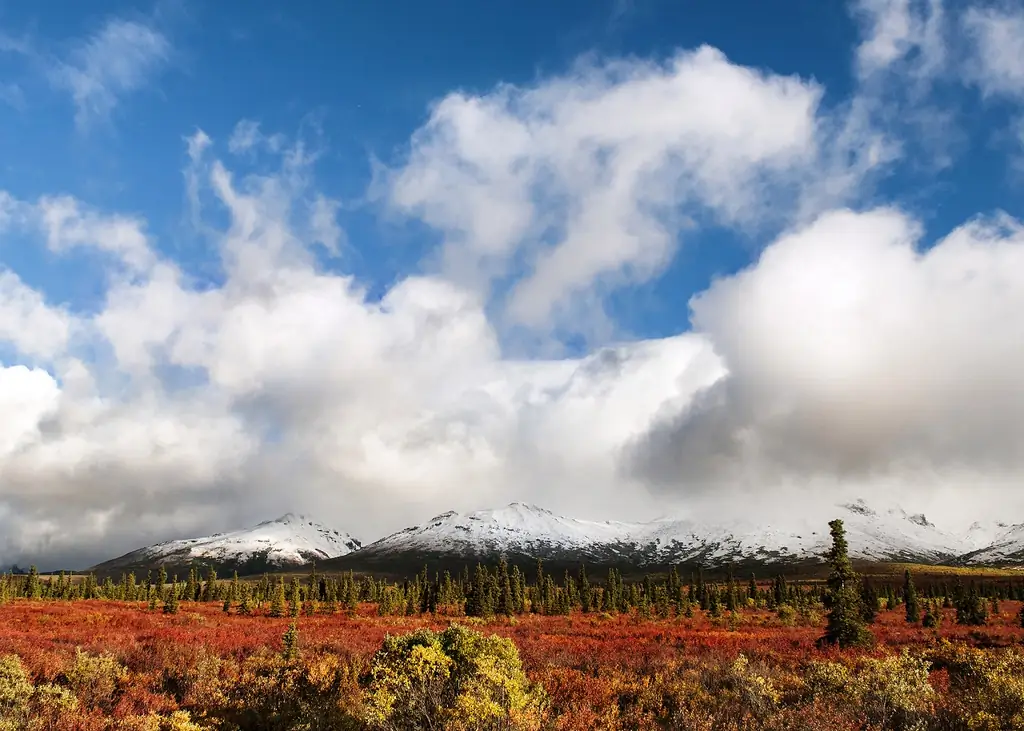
<point>499,589</point>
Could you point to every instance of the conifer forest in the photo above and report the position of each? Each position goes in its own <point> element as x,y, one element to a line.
<point>494,647</point>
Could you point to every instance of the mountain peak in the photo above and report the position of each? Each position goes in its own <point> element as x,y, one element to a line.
<point>528,508</point>
<point>289,541</point>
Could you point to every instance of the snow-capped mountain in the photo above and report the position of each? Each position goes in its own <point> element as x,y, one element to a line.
<point>520,531</point>
<point>290,541</point>
<point>1007,547</point>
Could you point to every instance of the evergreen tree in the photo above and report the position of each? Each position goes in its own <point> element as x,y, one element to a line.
<point>890,597</point>
<point>290,642</point>
<point>294,598</point>
<point>505,590</point>
<point>171,602</point>
<point>244,606</point>
<point>210,586</point>
<point>518,591</point>
<point>910,600</point>
<point>33,589</point>
<point>869,599</point>
<point>584,583</point>
<point>970,607</point>
<point>192,585</point>
<point>845,618</point>
<point>352,597</point>
<point>277,602</point>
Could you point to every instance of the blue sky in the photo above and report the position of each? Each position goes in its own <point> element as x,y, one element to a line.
<point>397,247</point>
<point>360,77</point>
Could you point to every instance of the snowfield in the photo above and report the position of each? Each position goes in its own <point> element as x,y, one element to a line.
<point>291,540</point>
<point>889,534</point>
<point>873,533</point>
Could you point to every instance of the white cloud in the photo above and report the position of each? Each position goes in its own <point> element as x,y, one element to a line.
<point>67,225</point>
<point>997,65</point>
<point>908,34</point>
<point>857,359</point>
<point>116,61</point>
<point>324,223</point>
<point>34,328</point>
<point>247,137</point>
<point>586,180</point>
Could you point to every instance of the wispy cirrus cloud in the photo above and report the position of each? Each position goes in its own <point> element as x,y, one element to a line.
<point>117,60</point>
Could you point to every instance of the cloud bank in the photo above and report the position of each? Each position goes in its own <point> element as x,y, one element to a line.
<point>852,357</point>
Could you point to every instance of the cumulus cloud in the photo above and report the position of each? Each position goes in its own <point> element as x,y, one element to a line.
<point>285,388</point>
<point>856,357</point>
<point>117,60</point>
<point>585,181</point>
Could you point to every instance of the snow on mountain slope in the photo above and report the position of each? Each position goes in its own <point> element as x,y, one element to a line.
<point>1006,548</point>
<point>890,534</point>
<point>517,528</point>
<point>291,540</point>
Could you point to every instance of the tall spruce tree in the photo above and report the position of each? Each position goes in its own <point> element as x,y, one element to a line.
<point>846,614</point>
<point>277,602</point>
<point>913,606</point>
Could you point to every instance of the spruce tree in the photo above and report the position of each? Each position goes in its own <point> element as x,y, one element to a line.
<point>869,600</point>
<point>210,586</point>
<point>244,606</point>
<point>585,590</point>
<point>970,608</point>
<point>277,602</point>
<point>33,590</point>
<point>171,603</point>
<point>910,598</point>
<point>845,617</point>
<point>290,642</point>
<point>294,598</point>
<point>505,589</point>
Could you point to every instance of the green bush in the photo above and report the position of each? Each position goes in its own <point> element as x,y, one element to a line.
<point>458,679</point>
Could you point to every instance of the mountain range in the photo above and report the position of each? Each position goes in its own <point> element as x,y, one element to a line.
<point>523,533</point>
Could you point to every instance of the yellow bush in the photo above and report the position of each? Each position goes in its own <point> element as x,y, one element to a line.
<point>197,683</point>
<point>276,694</point>
<point>95,679</point>
<point>24,707</point>
<point>756,692</point>
<point>988,684</point>
<point>894,691</point>
<point>459,679</point>
<point>827,678</point>
<point>15,693</point>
